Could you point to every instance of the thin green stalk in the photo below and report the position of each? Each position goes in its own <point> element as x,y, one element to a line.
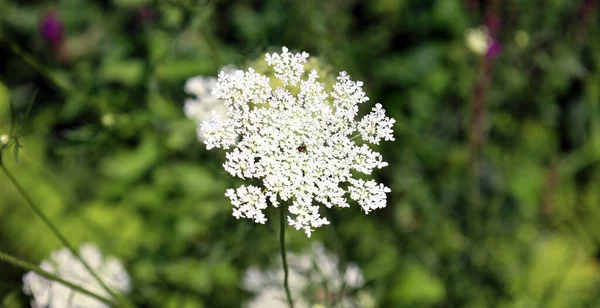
<point>65,84</point>
<point>29,59</point>
<point>30,267</point>
<point>283,255</point>
<point>56,232</point>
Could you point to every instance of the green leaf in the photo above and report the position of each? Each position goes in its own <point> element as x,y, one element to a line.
<point>128,165</point>
<point>188,274</point>
<point>11,300</point>
<point>418,285</point>
<point>127,72</point>
<point>179,70</point>
<point>16,147</point>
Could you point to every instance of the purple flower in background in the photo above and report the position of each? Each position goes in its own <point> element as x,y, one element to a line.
<point>472,4</point>
<point>51,28</point>
<point>494,50</point>
<point>493,24</point>
<point>146,14</point>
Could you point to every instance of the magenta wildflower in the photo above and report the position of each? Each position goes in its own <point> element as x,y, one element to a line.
<point>494,50</point>
<point>51,28</point>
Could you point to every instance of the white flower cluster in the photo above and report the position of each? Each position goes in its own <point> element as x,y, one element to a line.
<point>51,294</point>
<point>298,139</point>
<point>315,280</point>
<point>204,104</point>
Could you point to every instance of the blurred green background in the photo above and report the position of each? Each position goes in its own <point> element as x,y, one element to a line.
<point>495,171</point>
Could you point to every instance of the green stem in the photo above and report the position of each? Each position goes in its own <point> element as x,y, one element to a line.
<point>54,229</point>
<point>283,255</point>
<point>30,267</point>
<point>29,59</point>
<point>63,83</point>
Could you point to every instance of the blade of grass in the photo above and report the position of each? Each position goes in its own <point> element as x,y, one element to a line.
<point>31,267</point>
<point>58,234</point>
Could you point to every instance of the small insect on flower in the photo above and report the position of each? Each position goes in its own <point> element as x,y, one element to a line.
<point>302,148</point>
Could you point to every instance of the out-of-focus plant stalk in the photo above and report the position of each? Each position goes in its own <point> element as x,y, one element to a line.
<point>31,61</point>
<point>57,233</point>
<point>547,201</point>
<point>479,113</point>
<point>62,82</point>
<point>587,11</point>
<point>30,267</point>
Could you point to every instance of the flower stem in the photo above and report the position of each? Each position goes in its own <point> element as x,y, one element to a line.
<point>30,267</point>
<point>284,256</point>
<point>56,232</point>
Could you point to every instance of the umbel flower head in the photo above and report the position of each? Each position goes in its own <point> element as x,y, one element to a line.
<point>298,139</point>
<point>51,294</point>
<point>316,277</point>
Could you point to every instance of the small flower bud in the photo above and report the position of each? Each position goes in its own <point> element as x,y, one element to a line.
<point>108,120</point>
<point>522,39</point>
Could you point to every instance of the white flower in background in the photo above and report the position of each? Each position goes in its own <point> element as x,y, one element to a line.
<point>315,279</point>
<point>478,40</point>
<point>4,139</point>
<point>50,294</point>
<point>204,104</point>
<point>298,139</point>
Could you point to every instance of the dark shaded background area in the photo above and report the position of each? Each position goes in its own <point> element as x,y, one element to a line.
<point>495,171</point>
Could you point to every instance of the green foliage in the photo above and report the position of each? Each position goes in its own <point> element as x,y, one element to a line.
<point>513,221</point>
